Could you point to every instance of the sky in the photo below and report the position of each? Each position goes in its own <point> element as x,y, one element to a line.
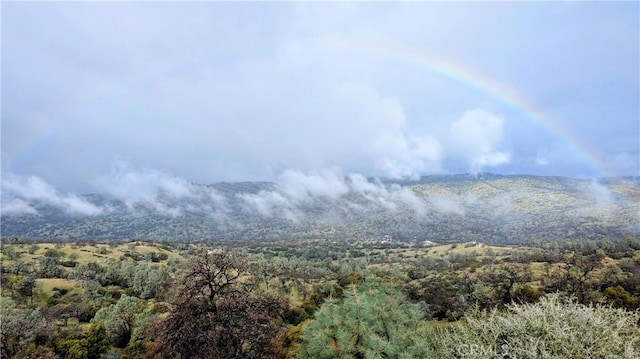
<point>100,95</point>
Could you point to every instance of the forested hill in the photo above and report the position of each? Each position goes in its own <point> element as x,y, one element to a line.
<point>486,208</point>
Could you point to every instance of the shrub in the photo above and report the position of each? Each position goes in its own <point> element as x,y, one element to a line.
<point>89,345</point>
<point>295,316</point>
<point>33,249</point>
<point>68,264</point>
<point>62,291</point>
<point>84,312</point>
<point>548,329</point>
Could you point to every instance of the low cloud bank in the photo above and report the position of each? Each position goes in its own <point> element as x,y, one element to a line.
<point>327,195</point>
<point>292,196</point>
<point>351,194</point>
<point>19,195</point>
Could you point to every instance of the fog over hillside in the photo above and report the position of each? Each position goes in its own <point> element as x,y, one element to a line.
<point>149,204</point>
<point>319,179</point>
<point>151,120</point>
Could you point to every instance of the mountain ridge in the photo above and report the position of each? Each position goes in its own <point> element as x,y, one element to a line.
<point>486,207</point>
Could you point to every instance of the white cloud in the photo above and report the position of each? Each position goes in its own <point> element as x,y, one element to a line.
<point>361,184</point>
<point>132,185</point>
<point>417,156</point>
<point>34,189</point>
<point>302,187</point>
<point>17,207</point>
<point>159,190</point>
<point>244,92</point>
<point>477,136</point>
<point>407,197</point>
<point>295,190</point>
<point>269,204</point>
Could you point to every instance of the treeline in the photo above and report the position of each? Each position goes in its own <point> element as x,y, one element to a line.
<point>561,300</point>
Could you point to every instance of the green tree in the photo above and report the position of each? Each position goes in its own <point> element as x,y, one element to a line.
<point>91,291</point>
<point>21,267</point>
<point>23,286</point>
<point>373,320</point>
<point>33,249</point>
<point>19,327</point>
<point>9,251</point>
<point>149,281</point>
<point>90,345</point>
<point>48,267</point>
<point>120,319</point>
<point>112,276</point>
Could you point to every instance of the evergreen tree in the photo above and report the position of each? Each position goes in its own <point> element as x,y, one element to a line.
<point>372,321</point>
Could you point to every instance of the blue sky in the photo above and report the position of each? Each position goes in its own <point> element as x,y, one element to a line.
<point>227,91</point>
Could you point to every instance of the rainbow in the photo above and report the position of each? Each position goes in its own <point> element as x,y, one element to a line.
<point>495,89</point>
<point>444,68</point>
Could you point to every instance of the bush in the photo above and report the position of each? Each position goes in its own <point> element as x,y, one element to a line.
<point>68,264</point>
<point>62,291</point>
<point>32,249</point>
<point>90,345</point>
<point>620,298</point>
<point>84,312</point>
<point>287,343</point>
<point>295,316</point>
<point>548,329</point>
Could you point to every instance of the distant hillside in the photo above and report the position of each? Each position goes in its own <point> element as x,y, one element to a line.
<point>487,208</point>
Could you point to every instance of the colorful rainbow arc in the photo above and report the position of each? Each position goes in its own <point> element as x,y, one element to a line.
<point>488,86</point>
<point>453,72</point>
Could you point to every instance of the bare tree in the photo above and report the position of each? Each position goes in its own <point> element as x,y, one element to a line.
<point>213,273</point>
<point>216,316</point>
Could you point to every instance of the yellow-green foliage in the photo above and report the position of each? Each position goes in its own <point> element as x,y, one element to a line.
<point>85,253</point>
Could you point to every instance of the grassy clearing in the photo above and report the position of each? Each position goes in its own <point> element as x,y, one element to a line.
<point>85,253</point>
<point>47,284</point>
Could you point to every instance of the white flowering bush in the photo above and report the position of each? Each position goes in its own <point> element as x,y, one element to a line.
<point>551,328</point>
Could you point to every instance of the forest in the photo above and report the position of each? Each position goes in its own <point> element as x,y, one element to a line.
<point>321,299</point>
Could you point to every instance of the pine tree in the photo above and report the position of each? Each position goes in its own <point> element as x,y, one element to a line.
<point>373,320</point>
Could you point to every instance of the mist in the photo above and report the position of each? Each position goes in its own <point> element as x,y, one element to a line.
<point>289,196</point>
<point>294,195</point>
